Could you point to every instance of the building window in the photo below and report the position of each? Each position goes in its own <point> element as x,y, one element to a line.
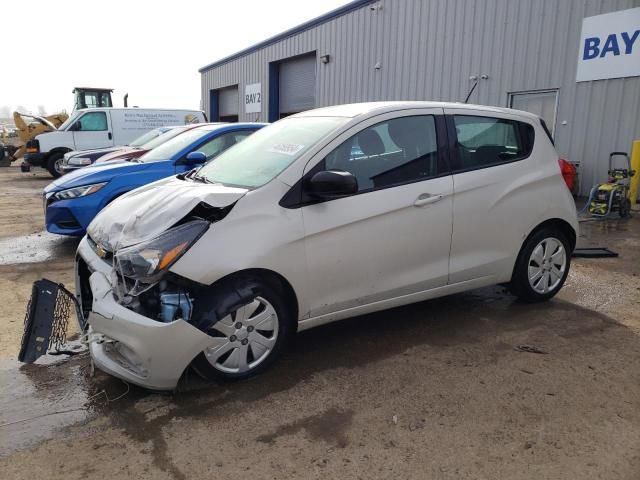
<point>543,103</point>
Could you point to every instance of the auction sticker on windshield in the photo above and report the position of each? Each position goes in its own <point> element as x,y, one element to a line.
<point>286,148</point>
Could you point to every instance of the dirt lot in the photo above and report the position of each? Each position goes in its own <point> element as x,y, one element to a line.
<point>433,390</point>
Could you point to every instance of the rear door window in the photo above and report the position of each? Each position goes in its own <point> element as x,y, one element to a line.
<point>485,141</point>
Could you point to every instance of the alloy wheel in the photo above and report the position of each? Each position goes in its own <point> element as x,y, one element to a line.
<point>244,338</point>
<point>58,166</point>
<point>547,265</point>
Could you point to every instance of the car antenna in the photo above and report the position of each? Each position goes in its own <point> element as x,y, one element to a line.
<point>473,87</point>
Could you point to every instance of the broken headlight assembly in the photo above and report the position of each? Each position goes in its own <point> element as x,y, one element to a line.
<point>78,191</point>
<point>148,261</point>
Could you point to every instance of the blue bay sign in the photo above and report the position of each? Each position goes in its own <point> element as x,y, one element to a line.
<point>593,48</point>
<point>610,46</point>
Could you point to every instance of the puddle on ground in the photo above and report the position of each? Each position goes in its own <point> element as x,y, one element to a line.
<point>38,401</point>
<point>36,247</point>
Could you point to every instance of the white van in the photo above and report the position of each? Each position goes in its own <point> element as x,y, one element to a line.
<point>99,128</point>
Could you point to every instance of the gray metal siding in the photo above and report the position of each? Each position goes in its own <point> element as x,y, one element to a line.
<point>428,49</point>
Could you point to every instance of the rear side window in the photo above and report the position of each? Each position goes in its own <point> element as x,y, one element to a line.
<point>484,141</point>
<point>390,153</point>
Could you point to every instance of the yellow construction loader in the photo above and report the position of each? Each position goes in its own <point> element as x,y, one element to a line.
<point>28,130</point>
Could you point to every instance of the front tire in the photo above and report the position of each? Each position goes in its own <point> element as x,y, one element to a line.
<point>542,266</point>
<point>250,324</point>
<point>54,164</point>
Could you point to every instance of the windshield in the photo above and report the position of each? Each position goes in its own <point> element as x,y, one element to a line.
<point>144,138</point>
<point>160,139</point>
<point>167,150</point>
<point>266,153</point>
<point>70,120</point>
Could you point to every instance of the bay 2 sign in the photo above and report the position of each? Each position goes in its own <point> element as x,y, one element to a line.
<point>253,98</point>
<point>610,46</point>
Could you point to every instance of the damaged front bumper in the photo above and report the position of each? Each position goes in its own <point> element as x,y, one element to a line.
<point>128,345</point>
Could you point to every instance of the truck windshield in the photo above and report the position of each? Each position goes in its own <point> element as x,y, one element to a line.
<point>172,147</point>
<point>266,153</point>
<point>70,120</point>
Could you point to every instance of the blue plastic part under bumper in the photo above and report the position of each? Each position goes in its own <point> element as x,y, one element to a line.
<point>73,216</point>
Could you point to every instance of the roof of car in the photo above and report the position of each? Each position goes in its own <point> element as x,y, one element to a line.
<point>219,125</point>
<point>356,109</point>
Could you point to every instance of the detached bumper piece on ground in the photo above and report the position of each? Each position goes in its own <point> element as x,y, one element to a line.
<point>47,321</point>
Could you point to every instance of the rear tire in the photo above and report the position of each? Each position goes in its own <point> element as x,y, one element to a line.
<point>542,266</point>
<point>54,164</point>
<point>251,323</point>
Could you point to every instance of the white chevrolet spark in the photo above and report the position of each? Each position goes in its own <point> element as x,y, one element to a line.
<point>324,215</point>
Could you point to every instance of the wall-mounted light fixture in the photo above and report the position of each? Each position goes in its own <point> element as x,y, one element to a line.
<point>325,58</point>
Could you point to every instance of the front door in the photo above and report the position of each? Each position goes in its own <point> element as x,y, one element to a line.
<point>392,237</point>
<point>92,130</point>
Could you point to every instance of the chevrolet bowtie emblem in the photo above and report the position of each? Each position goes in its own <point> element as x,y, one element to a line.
<point>101,251</point>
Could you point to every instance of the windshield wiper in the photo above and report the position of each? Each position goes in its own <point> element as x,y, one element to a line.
<point>198,178</point>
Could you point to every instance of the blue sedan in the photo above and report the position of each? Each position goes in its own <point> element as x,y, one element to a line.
<point>72,201</point>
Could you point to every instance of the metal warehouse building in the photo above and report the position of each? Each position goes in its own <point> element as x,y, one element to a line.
<point>576,63</point>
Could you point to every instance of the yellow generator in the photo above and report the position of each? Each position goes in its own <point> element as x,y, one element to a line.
<point>613,196</point>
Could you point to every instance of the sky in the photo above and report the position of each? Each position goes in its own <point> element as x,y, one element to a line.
<point>151,50</point>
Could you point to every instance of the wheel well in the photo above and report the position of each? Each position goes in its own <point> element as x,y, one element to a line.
<point>553,223</point>
<point>57,150</point>
<point>274,279</point>
<point>558,224</point>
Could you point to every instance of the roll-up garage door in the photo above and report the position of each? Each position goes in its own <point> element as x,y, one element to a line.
<point>228,104</point>
<point>297,85</point>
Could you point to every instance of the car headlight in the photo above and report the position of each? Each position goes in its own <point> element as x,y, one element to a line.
<point>78,191</point>
<point>79,161</point>
<point>148,261</point>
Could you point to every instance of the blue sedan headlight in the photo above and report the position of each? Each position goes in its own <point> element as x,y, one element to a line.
<point>78,191</point>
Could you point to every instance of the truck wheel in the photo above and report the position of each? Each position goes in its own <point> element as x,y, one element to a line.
<point>542,266</point>
<point>250,322</point>
<point>54,164</point>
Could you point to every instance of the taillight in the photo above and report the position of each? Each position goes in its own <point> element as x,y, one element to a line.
<point>33,146</point>
<point>568,171</point>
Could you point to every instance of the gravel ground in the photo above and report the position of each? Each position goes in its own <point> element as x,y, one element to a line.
<point>437,389</point>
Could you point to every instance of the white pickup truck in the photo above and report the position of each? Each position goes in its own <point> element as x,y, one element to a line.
<point>98,128</point>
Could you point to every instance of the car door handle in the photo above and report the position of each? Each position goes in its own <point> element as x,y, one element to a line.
<point>426,199</point>
<point>110,136</point>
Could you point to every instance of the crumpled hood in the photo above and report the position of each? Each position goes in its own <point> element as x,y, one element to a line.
<point>97,173</point>
<point>146,212</point>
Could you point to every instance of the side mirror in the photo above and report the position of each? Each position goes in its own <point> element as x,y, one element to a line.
<point>196,158</point>
<point>330,184</point>
<point>76,127</point>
